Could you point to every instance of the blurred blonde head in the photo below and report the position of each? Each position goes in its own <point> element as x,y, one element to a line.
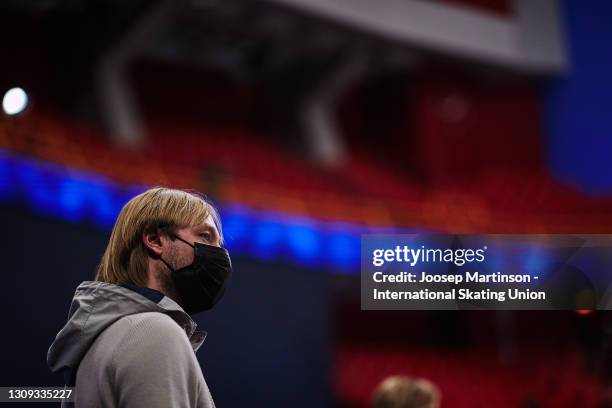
<point>405,392</point>
<point>125,258</point>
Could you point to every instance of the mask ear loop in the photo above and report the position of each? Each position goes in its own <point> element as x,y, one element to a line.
<point>166,229</point>
<point>181,239</point>
<point>166,263</point>
<point>155,256</point>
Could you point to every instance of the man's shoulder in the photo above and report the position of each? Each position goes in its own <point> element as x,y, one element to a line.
<point>146,326</point>
<point>149,325</point>
<point>149,331</point>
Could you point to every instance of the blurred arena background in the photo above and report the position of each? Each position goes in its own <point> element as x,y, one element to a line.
<point>309,123</point>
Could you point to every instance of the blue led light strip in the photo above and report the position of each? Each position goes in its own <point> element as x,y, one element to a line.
<point>82,197</point>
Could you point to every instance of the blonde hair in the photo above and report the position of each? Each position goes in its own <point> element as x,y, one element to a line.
<point>125,259</point>
<point>405,392</point>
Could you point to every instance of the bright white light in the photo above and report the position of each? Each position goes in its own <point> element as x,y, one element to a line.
<point>15,101</point>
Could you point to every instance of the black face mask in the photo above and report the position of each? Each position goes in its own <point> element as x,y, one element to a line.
<point>202,284</point>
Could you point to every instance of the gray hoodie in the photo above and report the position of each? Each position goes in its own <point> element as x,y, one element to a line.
<point>128,346</point>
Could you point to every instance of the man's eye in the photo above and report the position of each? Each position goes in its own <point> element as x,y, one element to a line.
<point>206,236</point>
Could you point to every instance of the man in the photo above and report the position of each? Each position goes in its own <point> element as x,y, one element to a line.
<point>130,340</point>
<point>405,392</point>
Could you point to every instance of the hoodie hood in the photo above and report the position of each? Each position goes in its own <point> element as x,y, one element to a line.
<point>97,305</point>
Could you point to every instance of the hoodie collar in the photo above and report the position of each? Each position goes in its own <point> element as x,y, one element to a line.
<point>97,305</point>
<point>153,295</point>
<point>196,338</point>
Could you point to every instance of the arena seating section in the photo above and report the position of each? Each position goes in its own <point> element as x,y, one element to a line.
<point>482,172</point>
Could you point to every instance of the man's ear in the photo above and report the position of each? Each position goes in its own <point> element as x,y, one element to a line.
<point>153,241</point>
